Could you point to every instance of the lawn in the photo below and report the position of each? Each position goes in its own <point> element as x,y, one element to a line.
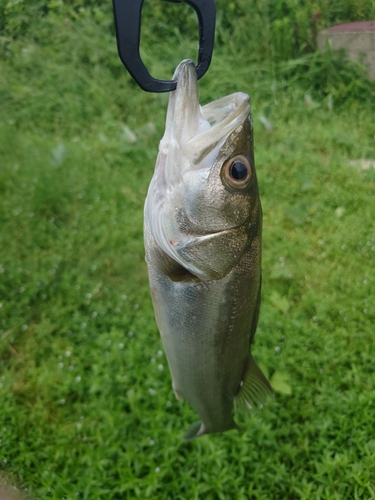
<point>86,405</point>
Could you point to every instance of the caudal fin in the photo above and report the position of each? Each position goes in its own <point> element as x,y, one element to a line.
<point>255,388</point>
<point>199,429</point>
<point>194,431</point>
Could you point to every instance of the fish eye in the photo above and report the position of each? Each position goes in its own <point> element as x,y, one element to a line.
<point>237,172</point>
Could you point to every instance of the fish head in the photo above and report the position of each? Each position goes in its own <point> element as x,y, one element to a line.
<point>204,194</point>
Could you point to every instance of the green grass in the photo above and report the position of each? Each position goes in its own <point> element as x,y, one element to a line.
<point>86,405</point>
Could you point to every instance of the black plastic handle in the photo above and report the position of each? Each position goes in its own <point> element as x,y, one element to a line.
<point>128,32</point>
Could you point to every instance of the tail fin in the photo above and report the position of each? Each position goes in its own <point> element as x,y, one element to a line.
<point>199,429</point>
<point>195,431</point>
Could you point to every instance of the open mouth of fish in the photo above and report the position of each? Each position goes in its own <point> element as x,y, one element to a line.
<point>198,131</point>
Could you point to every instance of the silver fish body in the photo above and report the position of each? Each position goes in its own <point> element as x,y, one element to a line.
<point>203,251</point>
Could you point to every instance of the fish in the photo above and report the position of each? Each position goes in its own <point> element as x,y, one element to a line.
<point>202,233</point>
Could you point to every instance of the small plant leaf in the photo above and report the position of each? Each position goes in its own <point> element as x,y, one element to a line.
<point>280,301</point>
<point>279,383</point>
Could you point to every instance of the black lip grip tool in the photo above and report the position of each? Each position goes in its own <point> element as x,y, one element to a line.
<point>128,32</point>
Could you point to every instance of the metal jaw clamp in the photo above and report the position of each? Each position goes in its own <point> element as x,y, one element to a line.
<point>128,32</point>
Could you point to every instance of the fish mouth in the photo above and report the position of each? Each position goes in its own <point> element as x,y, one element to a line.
<point>194,134</point>
<point>224,116</point>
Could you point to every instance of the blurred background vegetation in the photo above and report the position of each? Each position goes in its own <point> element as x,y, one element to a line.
<point>277,38</point>
<point>86,408</point>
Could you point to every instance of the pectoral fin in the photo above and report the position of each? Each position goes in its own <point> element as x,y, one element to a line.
<point>254,388</point>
